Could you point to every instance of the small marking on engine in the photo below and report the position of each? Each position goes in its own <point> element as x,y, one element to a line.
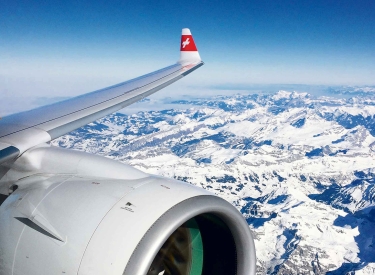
<point>94,182</point>
<point>165,186</point>
<point>128,209</point>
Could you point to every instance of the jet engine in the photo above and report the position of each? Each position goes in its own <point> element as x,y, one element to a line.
<point>77,213</point>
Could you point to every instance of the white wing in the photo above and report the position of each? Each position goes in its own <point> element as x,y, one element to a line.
<point>22,131</point>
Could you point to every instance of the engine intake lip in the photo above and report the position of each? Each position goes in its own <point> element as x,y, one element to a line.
<point>147,249</point>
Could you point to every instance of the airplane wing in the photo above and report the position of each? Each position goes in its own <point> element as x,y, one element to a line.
<point>25,130</point>
<point>70,212</point>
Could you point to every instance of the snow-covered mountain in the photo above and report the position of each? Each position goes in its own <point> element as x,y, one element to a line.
<point>299,168</point>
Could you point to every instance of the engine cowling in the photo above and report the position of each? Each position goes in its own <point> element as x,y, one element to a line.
<point>71,223</point>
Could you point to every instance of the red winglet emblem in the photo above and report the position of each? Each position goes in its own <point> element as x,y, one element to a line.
<point>187,43</point>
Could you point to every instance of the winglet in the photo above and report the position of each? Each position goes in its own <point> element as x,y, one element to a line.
<point>188,49</point>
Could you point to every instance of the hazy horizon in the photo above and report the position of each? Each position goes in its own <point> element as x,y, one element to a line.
<point>60,50</point>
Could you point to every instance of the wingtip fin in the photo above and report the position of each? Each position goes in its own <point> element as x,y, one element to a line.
<point>188,50</point>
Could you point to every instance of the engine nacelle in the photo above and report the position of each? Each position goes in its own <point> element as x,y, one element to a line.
<point>73,223</point>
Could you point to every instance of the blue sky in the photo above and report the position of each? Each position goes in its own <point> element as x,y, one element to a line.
<point>64,48</point>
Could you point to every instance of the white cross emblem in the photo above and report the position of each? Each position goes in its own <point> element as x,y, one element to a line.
<point>185,43</point>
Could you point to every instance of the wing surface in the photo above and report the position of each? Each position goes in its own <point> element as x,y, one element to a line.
<point>22,131</point>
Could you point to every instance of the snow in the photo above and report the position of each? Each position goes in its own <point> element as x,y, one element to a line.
<point>310,211</point>
<point>363,110</point>
<point>242,128</point>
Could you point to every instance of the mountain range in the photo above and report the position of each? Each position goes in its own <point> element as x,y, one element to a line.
<point>300,169</point>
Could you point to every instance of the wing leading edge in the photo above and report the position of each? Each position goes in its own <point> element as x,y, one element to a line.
<point>22,131</point>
